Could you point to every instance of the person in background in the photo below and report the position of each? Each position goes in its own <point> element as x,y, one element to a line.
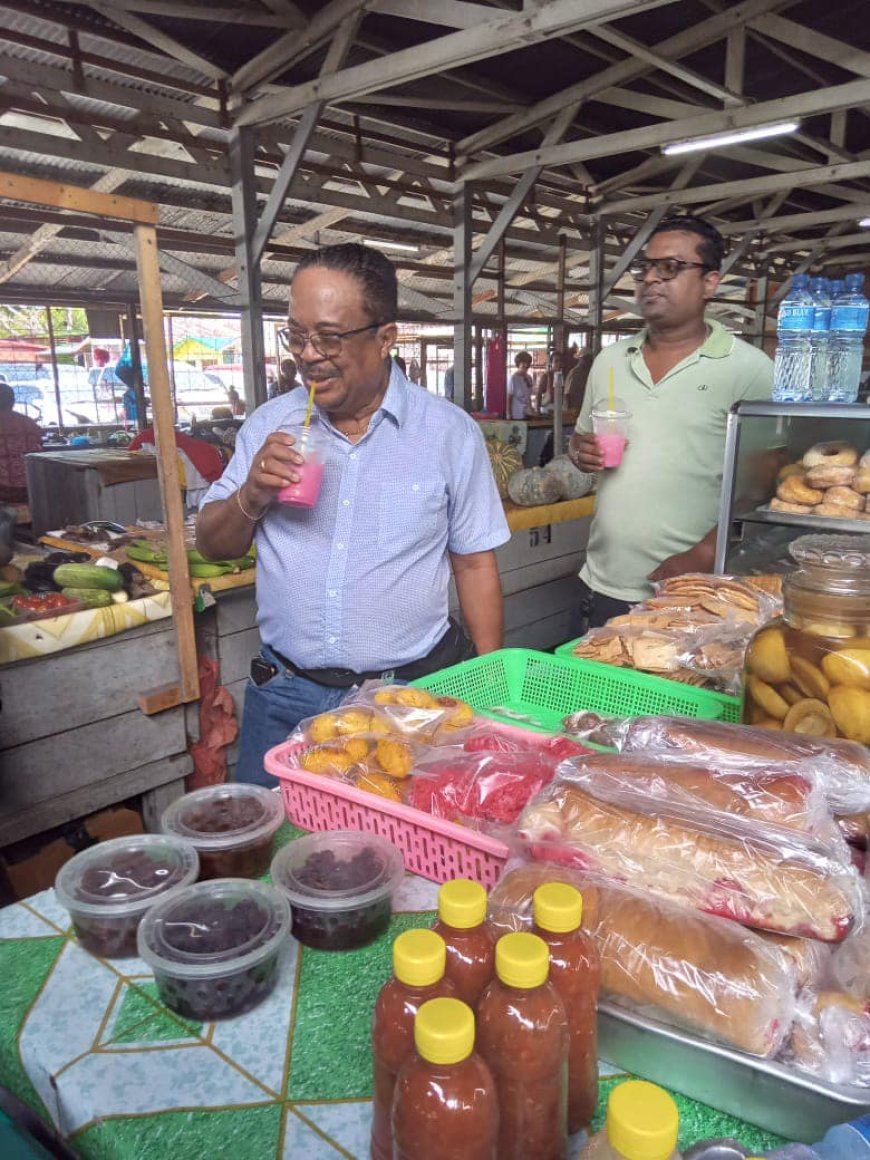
<point>520,386</point>
<point>236,404</point>
<point>549,380</point>
<point>355,588</point>
<point>448,382</point>
<point>656,514</point>
<point>576,379</point>
<point>401,364</point>
<point>19,436</point>
<point>287,380</point>
<point>131,407</point>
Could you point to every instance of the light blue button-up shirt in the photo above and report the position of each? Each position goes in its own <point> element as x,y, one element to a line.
<point>360,580</point>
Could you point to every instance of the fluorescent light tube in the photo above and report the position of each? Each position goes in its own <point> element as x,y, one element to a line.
<point>864,223</point>
<point>377,244</point>
<point>734,137</point>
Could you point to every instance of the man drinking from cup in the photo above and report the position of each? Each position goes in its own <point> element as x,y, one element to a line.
<point>656,512</point>
<point>353,584</point>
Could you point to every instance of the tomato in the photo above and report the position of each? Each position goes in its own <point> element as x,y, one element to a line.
<point>47,602</point>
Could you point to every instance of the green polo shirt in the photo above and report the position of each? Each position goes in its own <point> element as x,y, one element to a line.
<point>664,497</point>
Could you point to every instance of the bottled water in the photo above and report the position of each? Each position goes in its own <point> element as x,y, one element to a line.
<point>849,314</point>
<point>794,327</point>
<point>844,1142</point>
<point>819,339</point>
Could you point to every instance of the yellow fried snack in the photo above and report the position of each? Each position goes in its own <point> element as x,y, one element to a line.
<point>322,728</point>
<point>416,698</point>
<point>325,759</point>
<point>379,725</point>
<point>394,756</point>
<point>811,681</point>
<point>380,784</point>
<point>350,721</point>
<point>460,713</point>
<point>767,698</point>
<point>387,695</point>
<point>848,666</point>
<point>767,657</point>
<point>790,693</point>
<point>851,710</point>
<point>810,717</point>
<point>356,747</point>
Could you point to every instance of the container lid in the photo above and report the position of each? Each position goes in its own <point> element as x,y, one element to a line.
<point>125,875</point>
<point>727,1149</point>
<point>846,552</point>
<point>557,907</point>
<point>642,1121</point>
<point>462,903</point>
<point>444,1031</point>
<point>419,958</point>
<point>220,817</point>
<point>214,927</point>
<point>522,960</point>
<point>337,869</point>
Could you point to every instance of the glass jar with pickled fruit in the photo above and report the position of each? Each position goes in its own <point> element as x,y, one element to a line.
<point>809,671</point>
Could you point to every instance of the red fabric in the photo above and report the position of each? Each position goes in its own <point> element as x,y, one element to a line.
<point>495,391</point>
<point>204,457</point>
<point>18,437</point>
<point>218,728</point>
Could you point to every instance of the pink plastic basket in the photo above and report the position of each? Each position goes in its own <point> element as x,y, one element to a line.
<point>431,847</point>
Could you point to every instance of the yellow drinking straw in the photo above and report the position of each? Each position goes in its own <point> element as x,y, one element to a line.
<point>306,422</point>
<point>610,406</point>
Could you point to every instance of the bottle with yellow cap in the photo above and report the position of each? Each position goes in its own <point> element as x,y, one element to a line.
<point>522,1033</point>
<point>575,972</point>
<point>642,1124</point>
<point>419,957</point>
<point>470,947</point>
<point>445,1106</point>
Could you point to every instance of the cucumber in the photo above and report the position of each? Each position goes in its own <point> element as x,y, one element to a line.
<point>88,576</point>
<point>89,597</point>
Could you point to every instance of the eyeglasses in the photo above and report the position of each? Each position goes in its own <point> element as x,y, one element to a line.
<point>326,343</point>
<point>665,268</point>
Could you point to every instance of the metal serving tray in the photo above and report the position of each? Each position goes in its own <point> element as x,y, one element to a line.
<point>767,1094</point>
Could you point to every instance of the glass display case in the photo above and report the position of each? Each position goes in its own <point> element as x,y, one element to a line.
<point>761,439</point>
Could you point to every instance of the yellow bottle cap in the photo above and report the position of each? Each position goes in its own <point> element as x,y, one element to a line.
<point>462,903</point>
<point>444,1031</point>
<point>522,960</point>
<point>419,958</point>
<point>642,1121</point>
<point>557,907</point>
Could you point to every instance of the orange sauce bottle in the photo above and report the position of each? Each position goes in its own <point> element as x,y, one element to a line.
<point>470,947</point>
<point>419,957</point>
<point>522,1033</point>
<point>575,972</point>
<point>445,1106</point>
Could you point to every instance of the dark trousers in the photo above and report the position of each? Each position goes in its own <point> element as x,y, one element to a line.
<point>598,608</point>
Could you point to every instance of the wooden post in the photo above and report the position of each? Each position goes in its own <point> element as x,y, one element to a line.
<point>54,373</point>
<point>167,466</point>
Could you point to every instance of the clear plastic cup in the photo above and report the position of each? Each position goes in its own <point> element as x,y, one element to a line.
<point>231,827</point>
<point>108,888</point>
<point>610,428</point>
<point>310,444</point>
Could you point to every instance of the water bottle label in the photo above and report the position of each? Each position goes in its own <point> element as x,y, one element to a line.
<point>849,318</point>
<point>862,1127</point>
<point>822,318</point>
<point>796,318</point>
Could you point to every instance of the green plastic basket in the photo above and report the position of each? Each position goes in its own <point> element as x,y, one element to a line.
<point>537,690</point>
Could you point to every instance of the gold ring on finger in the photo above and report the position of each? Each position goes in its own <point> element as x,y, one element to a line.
<point>263,465</point>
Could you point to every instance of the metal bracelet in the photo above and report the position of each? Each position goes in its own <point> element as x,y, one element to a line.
<point>247,515</point>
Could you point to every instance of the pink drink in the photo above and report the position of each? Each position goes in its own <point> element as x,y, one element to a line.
<point>305,492</point>
<point>612,446</point>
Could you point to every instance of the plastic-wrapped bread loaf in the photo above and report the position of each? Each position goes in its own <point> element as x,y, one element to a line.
<point>843,767</point>
<point>711,977</point>
<point>785,797</point>
<point>764,876</point>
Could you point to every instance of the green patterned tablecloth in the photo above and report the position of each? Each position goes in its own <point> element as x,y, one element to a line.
<point>87,1044</point>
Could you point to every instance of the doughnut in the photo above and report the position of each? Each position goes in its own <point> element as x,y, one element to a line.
<point>844,496</point>
<point>796,509</point>
<point>864,461</point>
<point>830,475</point>
<point>861,482</point>
<point>794,490</point>
<point>837,452</point>
<point>790,469</point>
<point>838,511</point>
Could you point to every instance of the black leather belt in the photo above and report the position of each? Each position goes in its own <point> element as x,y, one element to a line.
<point>453,647</point>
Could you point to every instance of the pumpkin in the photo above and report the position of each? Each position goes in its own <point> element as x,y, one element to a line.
<point>534,486</point>
<point>505,460</point>
<point>573,483</point>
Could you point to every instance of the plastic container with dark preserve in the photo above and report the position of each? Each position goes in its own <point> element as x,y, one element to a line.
<point>230,825</point>
<point>418,975</point>
<point>215,948</point>
<point>445,1105</point>
<point>470,946</point>
<point>575,972</point>
<point>108,888</point>
<point>340,885</point>
<point>522,1034</point>
<point>642,1124</point>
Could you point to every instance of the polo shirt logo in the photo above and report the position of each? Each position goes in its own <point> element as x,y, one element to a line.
<point>702,386</point>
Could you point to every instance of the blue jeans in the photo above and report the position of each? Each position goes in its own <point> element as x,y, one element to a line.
<point>272,711</point>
